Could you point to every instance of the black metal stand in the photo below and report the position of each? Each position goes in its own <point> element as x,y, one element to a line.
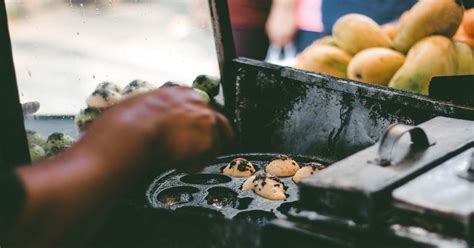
<point>225,51</point>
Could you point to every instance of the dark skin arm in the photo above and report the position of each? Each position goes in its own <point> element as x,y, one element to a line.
<point>67,196</point>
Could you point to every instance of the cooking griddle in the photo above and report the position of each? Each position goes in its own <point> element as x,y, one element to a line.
<point>212,193</point>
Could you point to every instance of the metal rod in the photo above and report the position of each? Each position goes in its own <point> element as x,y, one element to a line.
<point>13,142</point>
<point>225,51</point>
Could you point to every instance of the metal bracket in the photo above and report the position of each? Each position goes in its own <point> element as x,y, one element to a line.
<point>391,137</point>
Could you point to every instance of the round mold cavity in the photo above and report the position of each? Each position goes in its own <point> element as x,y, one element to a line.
<point>200,211</point>
<point>177,195</point>
<point>287,208</point>
<point>220,197</point>
<point>205,179</point>
<point>259,217</point>
<point>244,203</point>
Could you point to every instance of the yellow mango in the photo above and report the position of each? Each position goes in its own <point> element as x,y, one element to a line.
<point>354,33</point>
<point>428,17</point>
<point>429,57</point>
<point>375,65</point>
<point>324,59</point>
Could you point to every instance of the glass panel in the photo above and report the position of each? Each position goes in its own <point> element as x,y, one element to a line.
<point>63,49</point>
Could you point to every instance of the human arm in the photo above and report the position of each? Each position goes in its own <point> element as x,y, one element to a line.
<point>68,196</point>
<point>281,23</point>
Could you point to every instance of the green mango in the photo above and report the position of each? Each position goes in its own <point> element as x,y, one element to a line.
<point>431,56</point>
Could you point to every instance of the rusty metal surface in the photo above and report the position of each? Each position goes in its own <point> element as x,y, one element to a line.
<point>364,185</point>
<point>280,109</point>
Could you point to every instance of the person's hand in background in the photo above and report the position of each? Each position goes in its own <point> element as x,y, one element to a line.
<point>168,127</point>
<point>281,23</point>
<point>69,196</point>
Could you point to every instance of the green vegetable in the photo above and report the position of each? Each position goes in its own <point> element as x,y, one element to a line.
<point>35,138</point>
<point>86,117</point>
<point>203,95</point>
<point>208,84</point>
<point>58,140</point>
<point>55,150</point>
<point>37,153</point>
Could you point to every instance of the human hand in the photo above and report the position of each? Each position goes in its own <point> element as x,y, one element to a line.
<point>169,127</point>
<point>281,23</point>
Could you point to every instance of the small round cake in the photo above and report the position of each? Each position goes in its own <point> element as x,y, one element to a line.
<point>307,170</point>
<point>282,166</point>
<point>102,98</point>
<point>239,167</point>
<point>137,87</point>
<point>266,185</point>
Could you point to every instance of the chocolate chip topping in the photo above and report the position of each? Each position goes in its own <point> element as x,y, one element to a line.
<point>136,83</point>
<point>315,166</point>
<point>109,86</point>
<point>263,176</point>
<point>242,164</point>
<point>169,84</point>
<point>281,157</point>
<point>104,93</point>
<point>242,167</point>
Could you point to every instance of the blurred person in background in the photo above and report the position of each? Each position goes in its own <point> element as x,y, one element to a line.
<point>248,18</point>
<point>381,11</point>
<point>309,23</point>
<point>258,23</point>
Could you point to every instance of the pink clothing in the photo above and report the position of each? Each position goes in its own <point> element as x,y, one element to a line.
<point>309,17</point>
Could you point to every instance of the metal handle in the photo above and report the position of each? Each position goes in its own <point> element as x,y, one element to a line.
<point>391,137</point>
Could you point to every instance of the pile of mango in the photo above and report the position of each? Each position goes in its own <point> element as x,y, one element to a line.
<point>403,56</point>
